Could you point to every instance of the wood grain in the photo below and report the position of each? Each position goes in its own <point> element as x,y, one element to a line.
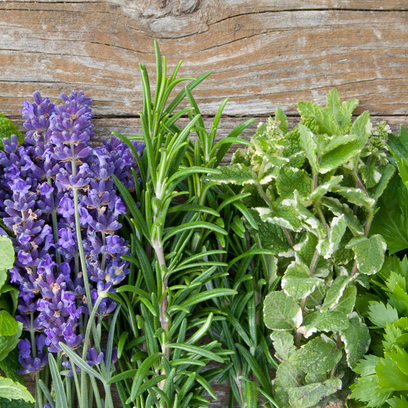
<point>263,54</point>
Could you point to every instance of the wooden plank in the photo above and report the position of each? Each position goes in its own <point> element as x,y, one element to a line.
<point>262,56</point>
<point>131,126</point>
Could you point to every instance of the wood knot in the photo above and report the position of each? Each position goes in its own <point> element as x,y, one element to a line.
<point>188,6</point>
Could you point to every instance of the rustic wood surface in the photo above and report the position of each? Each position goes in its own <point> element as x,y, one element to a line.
<point>264,54</point>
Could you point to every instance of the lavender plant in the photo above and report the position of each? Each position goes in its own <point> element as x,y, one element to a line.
<point>58,198</point>
<point>164,309</point>
<point>314,192</point>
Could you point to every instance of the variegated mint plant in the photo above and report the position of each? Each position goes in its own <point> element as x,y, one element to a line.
<point>314,192</point>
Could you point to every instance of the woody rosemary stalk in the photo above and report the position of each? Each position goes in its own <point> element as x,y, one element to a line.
<point>172,226</point>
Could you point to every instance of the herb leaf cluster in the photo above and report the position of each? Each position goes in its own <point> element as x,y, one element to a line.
<point>315,191</point>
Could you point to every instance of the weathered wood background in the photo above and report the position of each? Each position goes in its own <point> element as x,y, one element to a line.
<point>264,54</point>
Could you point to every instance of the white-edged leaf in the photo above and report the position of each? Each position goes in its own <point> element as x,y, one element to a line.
<point>356,340</point>
<point>12,390</point>
<point>281,312</point>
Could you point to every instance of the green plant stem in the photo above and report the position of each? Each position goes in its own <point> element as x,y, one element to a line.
<point>54,224</point>
<point>304,300</point>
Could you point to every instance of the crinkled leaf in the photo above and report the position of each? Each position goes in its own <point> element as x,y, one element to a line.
<point>234,174</point>
<point>356,340</point>
<point>309,221</point>
<point>311,394</point>
<point>381,314</point>
<point>369,253</point>
<point>281,312</point>
<point>347,108</point>
<point>14,391</point>
<point>386,172</point>
<point>319,354</point>
<point>284,216</point>
<point>337,208</point>
<point>337,141</point>
<point>324,117</point>
<point>281,117</point>
<point>321,190</point>
<point>271,236</point>
<point>323,321</point>
<point>291,179</point>
<point>335,292</point>
<point>297,281</point>
<point>5,403</point>
<point>283,345</point>
<point>337,229</point>
<point>309,146</point>
<point>370,175</point>
<point>6,253</point>
<point>355,196</point>
<point>286,377</point>
<point>305,250</point>
<point>347,302</point>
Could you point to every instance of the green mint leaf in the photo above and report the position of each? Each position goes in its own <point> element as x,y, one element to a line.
<point>334,104</point>
<point>369,253</point>
<point>347,108</point>
<point>381,314</point>
<point>337,208</point>
<point>323,321</point>
<point>356,340</point>
<point>284,215</point>
<point>335,292</point>
<point>9,343</point>
<point>370,175</point>
<point>338,141</point>
<point>10,365</point>
<point>362,128</point>
<point>321,190</point>
<point>324,117</point>
<point>386,173</point>
<point>297,281</point>
<point>309,221</point>
<point>271,236</point>
<point>281,312</point>
<point>234,174</point>
<point>283,344</point>
<point>286,378</point>
<point>290,179</point>
<point>8,325</point>
<point>337,229</point>
<point>281,117</point>
<point>6,253</point>
<point>309,146</point>
<point>319,355</point>
<point>355,196</point>
<point>311,394</point>
<point>14,391</point>
<point>347,301</point>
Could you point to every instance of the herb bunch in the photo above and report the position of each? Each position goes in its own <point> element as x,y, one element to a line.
<point>59,201</point>
<point>175,268</point>
<point>314,191</point>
